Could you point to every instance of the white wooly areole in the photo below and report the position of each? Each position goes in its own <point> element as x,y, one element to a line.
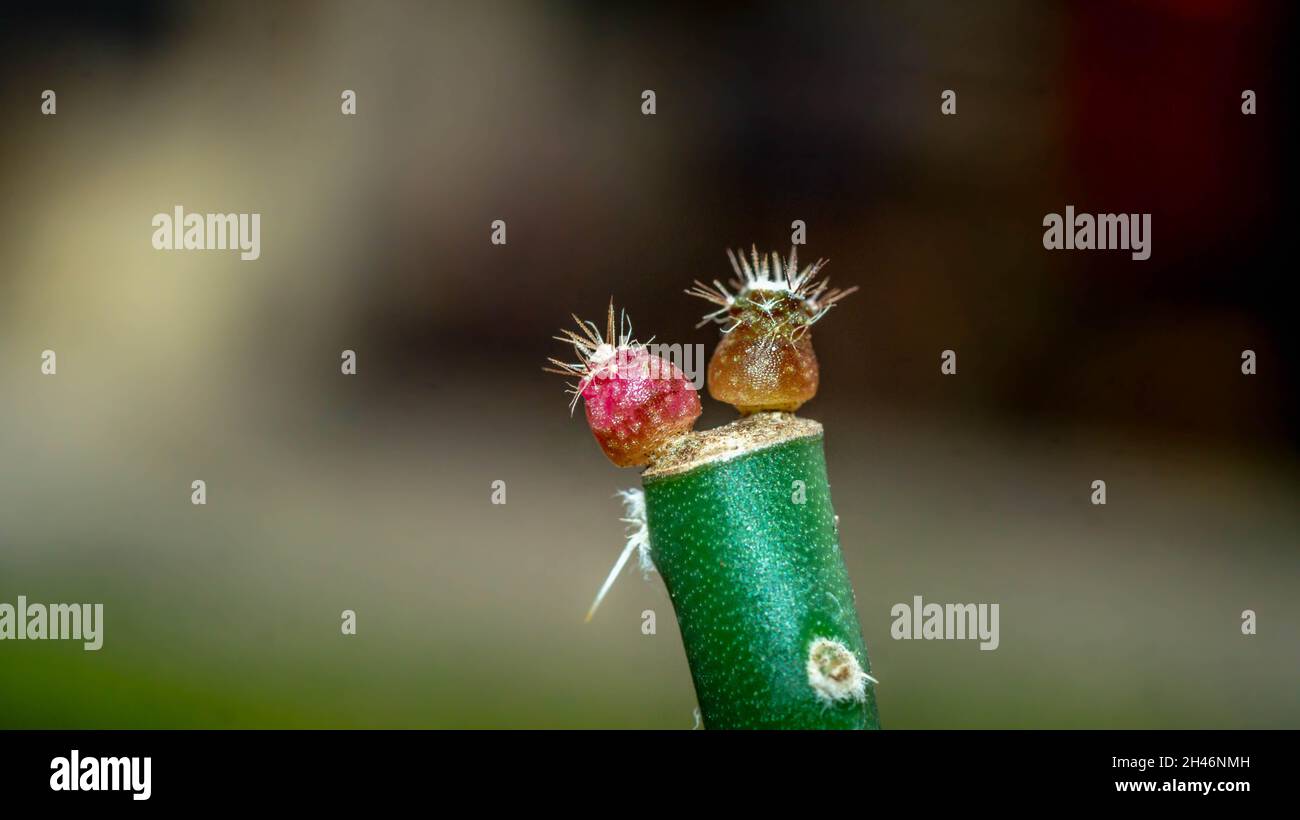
<point>761,284</point>
<point>209,232</point>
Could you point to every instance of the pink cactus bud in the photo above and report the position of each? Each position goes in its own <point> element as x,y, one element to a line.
<point>636,402</point>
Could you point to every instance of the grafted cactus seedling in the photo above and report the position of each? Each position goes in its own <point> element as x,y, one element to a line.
<point>738,520</point>
<point>635,402</point>
<point>766,360</point>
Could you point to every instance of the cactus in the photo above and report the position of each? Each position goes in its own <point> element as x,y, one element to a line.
<point>738,520</point>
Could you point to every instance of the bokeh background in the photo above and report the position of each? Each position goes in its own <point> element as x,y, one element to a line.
<point>372,492</point>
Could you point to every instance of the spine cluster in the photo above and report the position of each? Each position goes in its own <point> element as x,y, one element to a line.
<point>637,403</point>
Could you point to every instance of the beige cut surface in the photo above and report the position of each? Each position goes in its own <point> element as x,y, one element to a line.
<point>745,435</point>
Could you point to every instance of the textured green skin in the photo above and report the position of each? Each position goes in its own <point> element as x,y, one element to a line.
<point>755,578</point>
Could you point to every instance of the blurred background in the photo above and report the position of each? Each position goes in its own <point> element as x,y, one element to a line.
<point>372,492</point>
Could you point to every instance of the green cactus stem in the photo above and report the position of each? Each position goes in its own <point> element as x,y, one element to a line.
<point>743,532</point>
